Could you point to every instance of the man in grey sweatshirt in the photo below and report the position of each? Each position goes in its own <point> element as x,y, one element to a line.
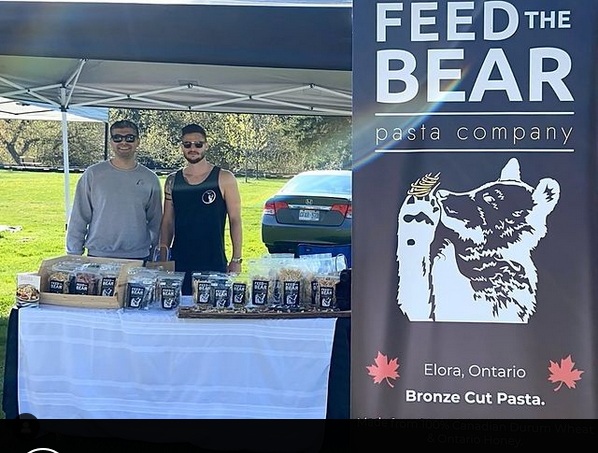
<point>118,203</point>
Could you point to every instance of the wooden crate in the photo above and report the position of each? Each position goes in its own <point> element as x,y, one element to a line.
<point>78,300</point>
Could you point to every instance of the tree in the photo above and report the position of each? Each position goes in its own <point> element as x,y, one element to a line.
<point>325,141</point>
<point>254,144</point>
<point>17,137</point>
<point>42,141</point>
<point>86,144</point>
<point>248,136</point>
<point>160,133</point>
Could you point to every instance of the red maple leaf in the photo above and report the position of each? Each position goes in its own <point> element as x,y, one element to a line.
<point>383,369</point>
<point>564,373</point>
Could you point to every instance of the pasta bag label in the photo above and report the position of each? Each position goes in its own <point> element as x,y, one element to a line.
<point>326,296</point>
<point>81,288</point>
<point>136,294</point>
<point>108,284</point>
<point>239,290</point>
<point>221,297</point>
<point>203,293</point>
<point>56,286</point>
<point>168,298</point>
<point>291,292</point>
<point>259,293</point>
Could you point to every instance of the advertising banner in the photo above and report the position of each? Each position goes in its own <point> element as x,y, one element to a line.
<point>474,250</point>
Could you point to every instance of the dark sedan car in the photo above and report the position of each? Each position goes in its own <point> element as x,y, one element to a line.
<point>314,207</point>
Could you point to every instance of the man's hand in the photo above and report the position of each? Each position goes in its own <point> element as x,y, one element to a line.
<point>234,268</point>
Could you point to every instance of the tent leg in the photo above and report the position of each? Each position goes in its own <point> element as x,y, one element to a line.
<point>106,132</point>
<point>65,163</point>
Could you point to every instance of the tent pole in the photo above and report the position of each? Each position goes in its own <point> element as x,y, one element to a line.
<point>65,161</point>
<point>247,141</point>
<point>106,131</point>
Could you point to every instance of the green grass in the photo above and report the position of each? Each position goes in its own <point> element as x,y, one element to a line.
<point>35,202</point>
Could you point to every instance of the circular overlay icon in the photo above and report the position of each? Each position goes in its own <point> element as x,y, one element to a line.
<point>26,426</point>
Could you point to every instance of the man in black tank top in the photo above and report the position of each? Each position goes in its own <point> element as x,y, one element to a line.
<point>197,200</point>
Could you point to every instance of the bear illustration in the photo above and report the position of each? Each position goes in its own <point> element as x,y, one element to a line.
<point>466,257</point>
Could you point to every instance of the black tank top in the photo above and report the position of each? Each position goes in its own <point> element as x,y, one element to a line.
<point>200,216</point>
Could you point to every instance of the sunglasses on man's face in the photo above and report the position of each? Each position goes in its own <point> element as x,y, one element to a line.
<point>129,138</point>
<point>197,144</point>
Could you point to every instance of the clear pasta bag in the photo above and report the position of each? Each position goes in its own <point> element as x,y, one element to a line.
<point>168,289</point>
<point>275,264</point>
<point>87,279</point>
<point>222,291</point>
<point>291,276</point>
<point>62,276</point>
<point>325,291</point>
<point>314,265</point>
<point>202,290</point>
<point>141,285</point>
<point>240,292</point>
<point>259,276</point>
<point>109,273</point>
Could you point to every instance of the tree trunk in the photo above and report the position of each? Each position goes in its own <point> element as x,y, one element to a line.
<point>246,165</point>
<point>10,147</point>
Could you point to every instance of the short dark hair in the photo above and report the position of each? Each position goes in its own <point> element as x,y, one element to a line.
<point>194,129</point>
<point>121,124</point>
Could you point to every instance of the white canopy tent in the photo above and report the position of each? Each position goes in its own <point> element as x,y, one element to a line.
<point>269,56</point>
<point>243,56</point>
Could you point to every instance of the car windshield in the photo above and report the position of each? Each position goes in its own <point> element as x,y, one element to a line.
<point>319,184</point>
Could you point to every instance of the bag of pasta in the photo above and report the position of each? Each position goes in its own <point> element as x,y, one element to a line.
<point>313,265</point>
<point>62,277</point>
<point>141,285</point>
<point>109,273</point>
<point>87,279</point>
<point>222,291</point>
<point>259,276</point>
<point>325,291</point>
<point>292,279</point>
<point>239,293</point>
<point>168,289</point>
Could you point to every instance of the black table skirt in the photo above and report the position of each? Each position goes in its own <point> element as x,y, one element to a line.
<point>338,386</point>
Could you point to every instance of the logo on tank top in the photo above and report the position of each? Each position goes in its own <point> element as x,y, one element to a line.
<point>208,197</point>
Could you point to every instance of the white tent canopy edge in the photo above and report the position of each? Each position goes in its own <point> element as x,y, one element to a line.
<point>13,110</point>
<point>195,87</point>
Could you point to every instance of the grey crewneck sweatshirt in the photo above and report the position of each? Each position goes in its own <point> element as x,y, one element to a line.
<point>116,213</point>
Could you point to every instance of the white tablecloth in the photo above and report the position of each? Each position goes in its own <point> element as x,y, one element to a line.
<point>87,363</point>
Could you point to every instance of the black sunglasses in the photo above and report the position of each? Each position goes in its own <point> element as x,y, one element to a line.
<point>129,138</point>
<point>197,144</point>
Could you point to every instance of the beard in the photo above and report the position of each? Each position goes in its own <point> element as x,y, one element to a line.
<point>195,160</point>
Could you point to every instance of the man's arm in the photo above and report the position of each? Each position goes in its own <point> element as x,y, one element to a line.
<point>167,225</point>
<point>154,214</point>
<point>232,198</point>
<point>80,217</point>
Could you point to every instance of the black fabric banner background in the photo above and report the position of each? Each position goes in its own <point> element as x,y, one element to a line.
<point>563,261</point>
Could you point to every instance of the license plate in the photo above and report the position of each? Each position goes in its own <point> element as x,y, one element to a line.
<point>309,215</point>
